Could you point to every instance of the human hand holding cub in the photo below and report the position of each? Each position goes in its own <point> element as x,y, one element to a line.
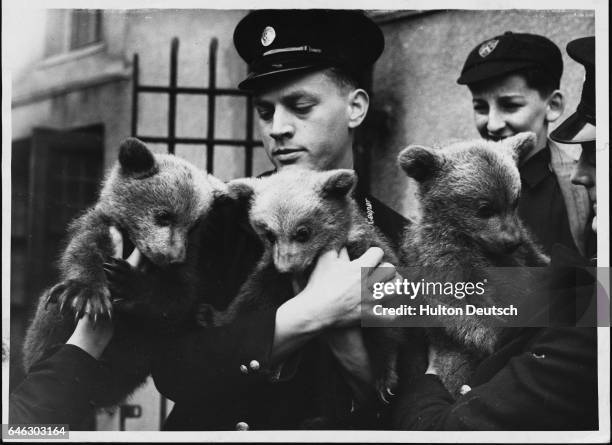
<point>333,299</point>
<point>93,335</point>
<point>125,279</point>
<point>333,293</point>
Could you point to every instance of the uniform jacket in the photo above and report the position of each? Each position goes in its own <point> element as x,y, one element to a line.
<point>538,379</point>
<point>62,388</point>
<point>221,378</point>
<point>553,208</point>
<point>576,198</point>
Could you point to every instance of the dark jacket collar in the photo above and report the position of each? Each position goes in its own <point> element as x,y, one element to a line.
<point>537,168</point>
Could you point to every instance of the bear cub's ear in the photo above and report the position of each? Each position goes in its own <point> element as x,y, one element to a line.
<point>419,162</point>
<point>136,159</point>
<point>520,144</point>
<point>241,189</point>
<point>338,184</point>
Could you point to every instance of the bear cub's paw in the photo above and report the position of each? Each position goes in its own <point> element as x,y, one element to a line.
<point>82,298</point>
<point>386,384</point>
<point>131,290</point>
<point>207,316</point>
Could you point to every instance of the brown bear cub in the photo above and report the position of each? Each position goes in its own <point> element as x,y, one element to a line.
<point>154,200</point>
<point>468,193</point>
<point>299,214</point>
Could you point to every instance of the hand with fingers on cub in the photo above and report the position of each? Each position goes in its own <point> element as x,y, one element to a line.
<point>128,285</point>
<point>125,277</point>
<point>134,291</point>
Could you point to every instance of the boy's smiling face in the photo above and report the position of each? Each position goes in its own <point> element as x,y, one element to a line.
<point>507,106</point>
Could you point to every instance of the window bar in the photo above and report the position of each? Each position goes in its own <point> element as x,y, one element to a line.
<point>172,95</point>
<point>212,84</point>
<point>196,141</point>
<point>98,26</point>
<point>135,90</point>
<point>192,90</point>
<point>248,155</point>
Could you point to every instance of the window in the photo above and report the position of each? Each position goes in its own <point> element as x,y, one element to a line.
<point>69,30</point>
<point>85,27</point>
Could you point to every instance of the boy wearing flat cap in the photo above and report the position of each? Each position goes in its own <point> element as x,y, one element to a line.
<point>539,378</point>
<point>263,371</point>
<point>514,80</point>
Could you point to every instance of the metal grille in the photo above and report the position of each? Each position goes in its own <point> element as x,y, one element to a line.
<point>171,140</point>
<point>212,92</point>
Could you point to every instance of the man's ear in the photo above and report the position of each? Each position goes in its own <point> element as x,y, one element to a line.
<point>358,104</point>
<point>555,107</point>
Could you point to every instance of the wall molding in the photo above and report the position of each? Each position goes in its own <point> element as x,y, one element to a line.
<point>69,72</point>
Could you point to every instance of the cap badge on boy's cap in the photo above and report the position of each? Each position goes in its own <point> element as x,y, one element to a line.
<point>267,36</point>
<point>511,53</point>
<point>487,47</point>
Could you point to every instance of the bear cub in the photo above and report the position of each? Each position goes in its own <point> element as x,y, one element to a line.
<point>154,200</point>
<point>299,214</point>
<point>468,194</point>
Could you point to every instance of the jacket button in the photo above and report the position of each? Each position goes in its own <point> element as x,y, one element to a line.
<point>254,365</point>
<point>244,369</point>
<point>464,389</point>
<point>242,426</point>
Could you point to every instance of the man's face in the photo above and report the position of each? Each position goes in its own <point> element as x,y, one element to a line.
<point>305,121</point>
<point>584,174</point>
<point>506,106</point>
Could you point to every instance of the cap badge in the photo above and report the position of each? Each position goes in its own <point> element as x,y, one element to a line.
<point>487,47</point>
<point>267,36</point>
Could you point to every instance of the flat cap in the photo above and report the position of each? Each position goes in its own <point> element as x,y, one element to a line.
<point>508,53</point>
<point>282,42</point>
<point>580,126</point>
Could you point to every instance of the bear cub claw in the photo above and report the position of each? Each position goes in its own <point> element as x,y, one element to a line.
<point>81,298</point>
<point>124,283</point>
<point>386,385</point>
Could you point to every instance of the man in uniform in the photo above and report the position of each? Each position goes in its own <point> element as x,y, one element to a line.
<point>540,378</point>
<point>263,371</point>
<point>579,128</point>
<point>514,80</point>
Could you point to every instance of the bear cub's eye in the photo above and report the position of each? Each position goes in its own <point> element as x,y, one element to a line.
<point>515,203</point>
<point>302,234</point>
<point>270,236</point>
<point>164,218</point>
<point>486,211</point>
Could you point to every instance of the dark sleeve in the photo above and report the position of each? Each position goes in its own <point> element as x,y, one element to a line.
<point>205,362</point>
<point>61,388</point>
<point>550,386</point>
